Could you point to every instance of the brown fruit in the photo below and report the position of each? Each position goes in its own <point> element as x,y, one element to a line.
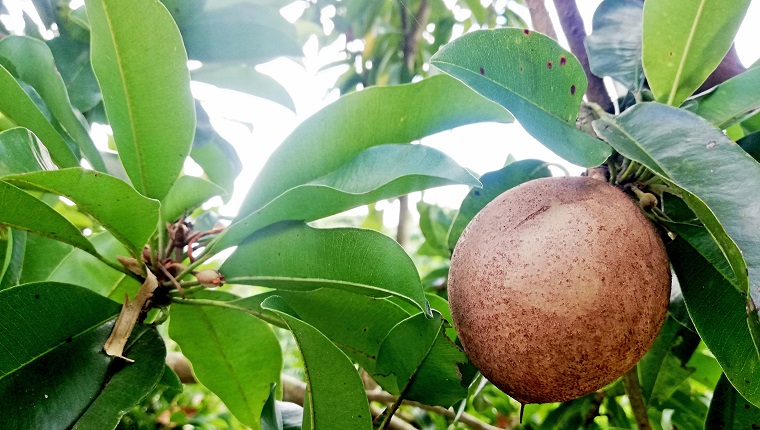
<point>558,287</point>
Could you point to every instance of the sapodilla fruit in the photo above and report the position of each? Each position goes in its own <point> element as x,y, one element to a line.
<point>558,287</point>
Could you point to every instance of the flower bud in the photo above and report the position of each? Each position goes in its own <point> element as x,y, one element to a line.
<point>210,278</point>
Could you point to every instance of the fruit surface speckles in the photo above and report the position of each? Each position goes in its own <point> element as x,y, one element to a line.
<point>558,287</point>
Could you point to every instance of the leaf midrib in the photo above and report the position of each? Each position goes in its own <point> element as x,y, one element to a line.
<point>681,65</point>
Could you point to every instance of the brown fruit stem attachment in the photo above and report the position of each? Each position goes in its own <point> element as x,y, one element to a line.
<point>128,317</point>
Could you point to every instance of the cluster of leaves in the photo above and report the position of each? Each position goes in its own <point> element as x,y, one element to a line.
<point>351,297</point>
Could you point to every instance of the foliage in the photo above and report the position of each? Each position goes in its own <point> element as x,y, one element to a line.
<point>351,299</point>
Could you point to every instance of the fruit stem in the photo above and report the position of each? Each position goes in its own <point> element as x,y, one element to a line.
<point>636,397</point>
<point>629,169</point>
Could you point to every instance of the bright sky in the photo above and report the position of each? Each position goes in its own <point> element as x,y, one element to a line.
<point>256,127</point>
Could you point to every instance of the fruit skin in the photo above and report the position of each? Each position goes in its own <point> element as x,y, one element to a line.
<point>558,287</point>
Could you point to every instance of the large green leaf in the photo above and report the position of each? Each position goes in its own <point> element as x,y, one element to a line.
<point>17,106</point>
<point>730,102</point>
<point>684,41</point>
<point>187,194</point>
<point>377,173</point>
<point>434,226</point>
<point>22,211</point>
<point>31,61</point>
<point>494,183</point>
<point>417,359</point>
<point>375,116</point>
<point>131,384</point>
<point>141,65</point>
<point>244,32</point>
<point>21,152</point>
<point>214,154</point>
<point>244,78</point>
<point>336,395</point>
<point>614,47</point>
<point>235,355</point>
<point>719,315</point>
<point>129,216</point>
<point>690,153</point>
<point>729,410</point>
<point>534,78</point>
<point>72,59</point>
<point>51,362</point>
<point>50,260</point>
<point>296,257</point>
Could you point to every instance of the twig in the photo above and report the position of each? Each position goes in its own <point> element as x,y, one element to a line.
<point>540,18</point>
<point>636,397</point>
<point>572,25</point>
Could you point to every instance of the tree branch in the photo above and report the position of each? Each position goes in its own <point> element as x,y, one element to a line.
<point>540,18</point>
<point>572,25</point>
<point>636,397</point>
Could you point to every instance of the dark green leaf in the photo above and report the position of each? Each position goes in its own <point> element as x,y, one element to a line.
<point>751,144</point>
<point>377,173</point>
<point>279,415</point>
<point>531,75</point>
<point>235,355</point>
<point>187,194</point>
<point>296,257</point>
<point>21,152</point>
<point>244,78</point>
<point>683,42</point>
<point>50,260</point>
<point>22,211</point>
<point>243,32</point>
<point>418,360</point>
<point>130,384</point>
<point>141,65</point>
<point>214,154</point>
<point>52,366</point>
<point>31,61</point>
<point>375,116</point>
<point>494,184</point>
<point>730,102</point>
<point>336,394</point>
<point>614,47</point>
<point>663,368</point>
<point>129,216</point>
<point>730,411</point>
<point>18,107</point>
<point>719,315</point>
<point>434,225</point>
<point>688,152</point>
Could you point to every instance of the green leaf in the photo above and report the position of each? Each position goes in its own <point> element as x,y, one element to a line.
<point>21,152</point>
<point>375,116</point>
<point>751,144</point>
<point>687,152</point>
<point>279,415</point>
<point>418,360</point>
<point>130,384</point>
<point>244,78</point>
<point>729,410</point>
<point>357,324</point>
<point>214,154</point>
<point>31,61</point>
<point>52,365</point>
<point>730,102</point>
<point>12,257</point>
<point>538,81</point>
<point>377,173</point>
<point>434,225</point>
<point>296,257</point>
<point>141,65</point>
<point>494,184</point>
<point>684,41</point>
<point>22,211</point>
<point>664,368</point>
<point>235,355</point>
<point>19,108</point>
<point>244,32</point>
<point>336,395</point>
<point>50,260</point>
<point>719,315</point>
<point>614,47</point>
<point>130,217</point>
<point>187,194</point>
<point>72,58</point>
